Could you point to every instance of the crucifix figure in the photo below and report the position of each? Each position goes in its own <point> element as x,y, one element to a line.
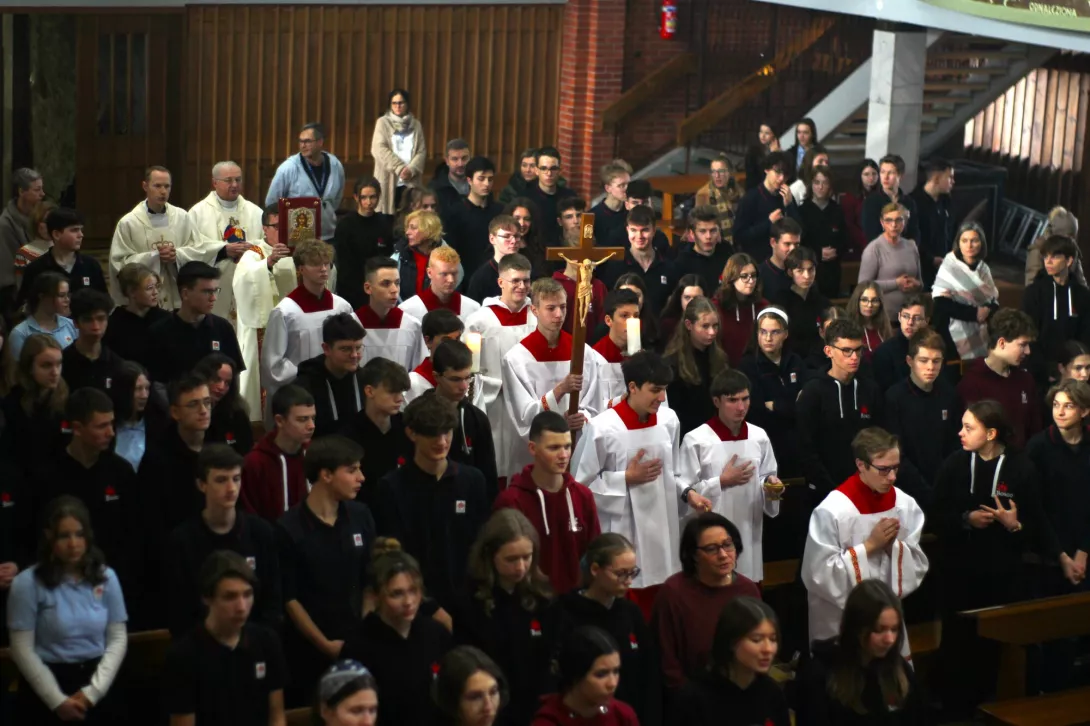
<point>591,257</point>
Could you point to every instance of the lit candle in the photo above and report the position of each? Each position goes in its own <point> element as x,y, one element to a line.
<point>633,327</point>
<point>473,342</point>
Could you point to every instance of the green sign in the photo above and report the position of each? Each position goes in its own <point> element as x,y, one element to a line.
<point>1071,15</point>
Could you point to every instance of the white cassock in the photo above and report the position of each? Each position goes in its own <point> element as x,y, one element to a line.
<point>137,237</point>
<point>482,389</point>
<point>649,515</point>
<point>608,359</point>
<point>420,305</point>
<point>835,559</point>
<point>501,330</point>
<point>215,223</point>
<point>704,452</point>
<point>530,372</point>
<point>257,291</point>
<point>396,338</point>
<point>293,335</point>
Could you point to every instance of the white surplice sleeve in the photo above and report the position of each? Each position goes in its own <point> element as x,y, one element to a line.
<point>253,289</point>
<point>910,564</point>
<point>590,467</point>
<point>590,398</point>
<point>691,465</point>
<point>522,403</point>
<point>486,390</point>
<point>829,571</point>
<point>276,369</point>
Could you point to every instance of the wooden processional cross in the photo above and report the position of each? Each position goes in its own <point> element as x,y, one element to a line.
<point>587,257</point>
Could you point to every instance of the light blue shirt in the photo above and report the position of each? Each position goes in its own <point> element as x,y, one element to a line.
<point>291,180</point>
<point>799,154</point>
<point>131,442</point>
<point>65,333</point>
<point>69,621</point>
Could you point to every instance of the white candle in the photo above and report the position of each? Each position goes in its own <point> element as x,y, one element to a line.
<point>633,327</point>
<point>473,342</point>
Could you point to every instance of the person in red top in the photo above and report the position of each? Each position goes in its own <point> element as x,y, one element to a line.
<point>561,509</point>
<point>272,473</point>
<point>567,215</point>
<point>999,375</point>
<point>588,666</point>
<point>739,300</point>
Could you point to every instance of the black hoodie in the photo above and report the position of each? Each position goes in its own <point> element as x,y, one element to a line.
<point>336,400</point>
<point>890,365</point>
<point>465,227</point>
<point>804,314</point>
<point>1065,486</point>
<point>708,267</point>
<point>927,422</point>
<point>780,385</point>
<point>710,699</point>
<point>1061,313</point>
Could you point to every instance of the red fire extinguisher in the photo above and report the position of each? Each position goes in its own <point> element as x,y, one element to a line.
<point>668,23</point>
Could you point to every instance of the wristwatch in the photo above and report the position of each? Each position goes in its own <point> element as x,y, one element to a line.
<point>685,494</point>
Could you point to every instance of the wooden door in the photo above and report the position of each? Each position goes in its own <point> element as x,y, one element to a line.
<point>127,100</point>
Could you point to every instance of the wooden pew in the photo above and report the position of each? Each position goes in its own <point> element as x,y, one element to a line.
<point>1067,708</point>
<point>298,717</point>
<point>1028,623</point>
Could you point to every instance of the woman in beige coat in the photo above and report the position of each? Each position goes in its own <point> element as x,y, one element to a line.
<point>399,151</point>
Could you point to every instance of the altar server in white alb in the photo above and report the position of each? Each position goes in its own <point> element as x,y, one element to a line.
<point>537,373</point>
<point>228,225</point>
<point>731,462</point>
<point>502,322</point>
<point>392,333</point>
<point>294,333</point>
<point>444,266</point>
<point>313,172</point>
<point>261,282</point>
<point>864,529</point>
<point>628,457</point>
<point>610,352</point>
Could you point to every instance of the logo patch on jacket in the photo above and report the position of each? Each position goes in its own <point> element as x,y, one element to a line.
<point>5,500</point>
<point>632,642</point>
<point>259,670</point>
<point>357,539</point>
<point>1002,490</point>
<point>215,345</point>
<point>864,412</point>
<point>535,629</point>
<point>111,494</point>
<point>945,414</point>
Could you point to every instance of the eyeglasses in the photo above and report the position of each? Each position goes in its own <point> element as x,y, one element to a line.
<point>505,236</point>
<point>914,319</point>
<point>720,172</point>
<point>893,221</point>
<point>747,277</point>
<point>849,352</point>
<point>885,470</point>
<point>212,292</point>
<point>712,549</point>
<point>198,404</point>
<point>231,180</point>
<point>869,301</point>
<point>771,334</point>
<point>518,281</point>
<point>627,574</point>
<point>307,142</point>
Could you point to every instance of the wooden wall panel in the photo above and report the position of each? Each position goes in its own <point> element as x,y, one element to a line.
<point>257,73</point>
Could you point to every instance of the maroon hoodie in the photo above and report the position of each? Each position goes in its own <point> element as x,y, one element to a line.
<point>553,712</point>
<point>269,475</point>
<point>1017,393</point>
<point>566,522</point>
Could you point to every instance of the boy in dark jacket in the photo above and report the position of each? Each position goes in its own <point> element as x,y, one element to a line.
<point>272,477</point>
<point>1058,305</point>
<point>803,302</point>
<point>891,357</point>
<point>331,378</point>
<point>708,254</point>
<point>762,207</point>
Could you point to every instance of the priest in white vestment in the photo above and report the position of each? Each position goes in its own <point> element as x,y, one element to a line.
<point>537,374</point>
<point>228,225</point>
<point>156,234</point>
<point>731,462</point>
<point>392,333</point>
<point>294,331</point>
<point>865,528</point>
<point>610,352</point>
<point>502,322</point>
<point>628,457</point>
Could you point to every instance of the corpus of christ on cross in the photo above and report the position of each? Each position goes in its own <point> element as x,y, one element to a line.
<point>587,257</point>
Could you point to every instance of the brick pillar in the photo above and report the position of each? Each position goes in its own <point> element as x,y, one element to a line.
<point>591,74</point>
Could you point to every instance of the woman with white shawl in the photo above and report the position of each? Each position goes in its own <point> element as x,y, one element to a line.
<point>399,151</point>
<point>965,295</point>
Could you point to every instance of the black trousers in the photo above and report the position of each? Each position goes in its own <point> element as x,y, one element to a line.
<point>71,677</point>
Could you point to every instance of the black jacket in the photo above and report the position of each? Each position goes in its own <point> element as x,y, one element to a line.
<point>659,278</point>
<point>177,346</point>
<point>336,400</point>
<point>79,371</point>
<point>483,282</point>
<point>804,313</point>
<point>773,279</point>
<point>168,474</point>
<point>127,334</point>
<point>708,267</point>
<point>86,272</point>
<point>607,223</point>
<point>752,227</point>
<point>474,446</point>
<point>356,240</point>
<point>692,403</point>
<point>548,229</point>
<point>927,422</point>
<point>465,227</point>
<point>1061,313</point>
<point>825,228</point>
<point>889,360</point>
<point>445,193</point>
<point>872,214</point>
<point>230,426</point>
<point>28,440</point>
<point>936,227</point>
<point>1064,474</point>
<point>710,699</point>
<point>780,385</point>
<point>382,452</point>
<point>406,267</point>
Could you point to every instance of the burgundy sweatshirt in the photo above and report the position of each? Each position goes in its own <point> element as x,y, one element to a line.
<point>1017,393</point>
<point>736,328</point>
<point>553,712</point>
<point>268,476</point>
<point>566,521</point>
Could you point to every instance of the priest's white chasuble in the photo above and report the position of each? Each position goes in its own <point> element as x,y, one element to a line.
<point>214,224</point>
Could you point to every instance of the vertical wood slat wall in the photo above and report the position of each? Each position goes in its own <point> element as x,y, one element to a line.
<point>255,74</point>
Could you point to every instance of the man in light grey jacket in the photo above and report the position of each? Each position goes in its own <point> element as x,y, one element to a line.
<point>313,172</point>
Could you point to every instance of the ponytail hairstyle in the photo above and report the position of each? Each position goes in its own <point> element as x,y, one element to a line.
<point>1064,355</point>
<point>991,415</point>
<point>848,676</point>
<point>388,561</point>
<point>504,527</point>
<point>601,551</point>
<point>680,349</point>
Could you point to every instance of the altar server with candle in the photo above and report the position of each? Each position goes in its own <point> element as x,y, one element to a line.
<point>439,325</point>
<point>621,308</point>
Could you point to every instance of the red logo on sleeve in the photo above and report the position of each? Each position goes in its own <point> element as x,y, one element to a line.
<point>535,629</point>
<point>5,500</point>
<point>111,494</point>
<point>632,642</point>
<point>400,461</point>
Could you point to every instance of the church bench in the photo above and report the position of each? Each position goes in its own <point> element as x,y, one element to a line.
<point>1031,622</point>
<point>1067,708</point>
<point>298,717</point>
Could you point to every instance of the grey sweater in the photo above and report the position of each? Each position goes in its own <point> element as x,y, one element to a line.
<point>884,262</point>
<point>13,235</point>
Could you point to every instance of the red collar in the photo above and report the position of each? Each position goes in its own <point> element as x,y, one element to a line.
<point>508,318</point>
<point>432,302</point>
<point>865,499</point>
<point>370,318</point>
<point>631,419</point>
<point>724,433</point>
<point>425,371</point>
<point>539,348</point>
<point>309,303</point>
<point>609,350</point>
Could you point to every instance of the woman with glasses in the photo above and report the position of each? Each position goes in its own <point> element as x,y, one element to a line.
<point>609,567</point>
<point>127,333</point>
<point>738,299</point>
<point>723,193</point>
<point>399,149</point>
<point>48,305</point>
<point>470,689</point>
<point>965,295</point>
<point>689,603</point>
<point>892,261</point>
<point>867,307</point>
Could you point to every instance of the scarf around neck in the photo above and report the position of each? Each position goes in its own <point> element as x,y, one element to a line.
<point>400,124</point>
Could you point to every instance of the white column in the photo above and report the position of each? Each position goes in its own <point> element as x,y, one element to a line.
<point>895,111</point>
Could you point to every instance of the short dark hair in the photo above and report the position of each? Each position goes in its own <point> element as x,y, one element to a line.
<point>329,453</point>
<point>646,367</point>
<point>366,181</point>
<point>269,211</point>
<point>936,166</point>
<point>288,397</point>
<point>617,298</point>
<point>155,168</point>
<point>316,127</point>
<point>386,373</point>
<point>84,403</point>
<point>514,261</point>
<point>550,421</point>
<point>774,160</point>
<point>1009,324</point>
<point>690,537</point>
<point>45,285</point>
<point>87,301</point>
<point>217,456</point>
<point>843,329</point>
<point>894,159</point>
<point>799,255</point>
<point>640,216</point>
<point>184,384</point>
<point>705,213</point>
<point>430,416</point>
<point>61,219</point>
<point>785,226</point>
<point>342,326</point>
<point>918,299</point>
<point>456,145</point>
<point>440,321</point>
<point>1059,245</point>
<point>192,272</point>
<point>374,264</point>
<point>578,651</point>
<point>640,189</point>
<point>579,205</point>
<point>479,163</point>
<point>729,382</point>
<point>546,151</point>
<point>224,565</point>
<point>451,355</point>
<point>871,442</point>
